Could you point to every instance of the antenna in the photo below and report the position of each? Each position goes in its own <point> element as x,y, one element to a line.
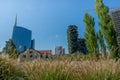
<point>15,21</point>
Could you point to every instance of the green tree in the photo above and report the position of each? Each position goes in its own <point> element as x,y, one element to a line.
<point>101,43</point>
<point>90,36</point>
<point>72,37</point>
<point>107,28</point>
<point>10,49</point>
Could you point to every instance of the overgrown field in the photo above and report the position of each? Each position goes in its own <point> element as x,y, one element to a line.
<point>68,69</point>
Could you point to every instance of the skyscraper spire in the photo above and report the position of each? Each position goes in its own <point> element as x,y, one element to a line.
<point>15,21</point>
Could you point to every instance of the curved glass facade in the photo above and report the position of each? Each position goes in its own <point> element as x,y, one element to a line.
<point>22,38</point>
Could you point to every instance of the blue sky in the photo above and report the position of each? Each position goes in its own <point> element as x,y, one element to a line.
<point>48,19</point>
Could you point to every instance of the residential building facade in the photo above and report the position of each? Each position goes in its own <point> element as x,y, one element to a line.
<point>31,54</point>
<point>59,50</point>
<point>45,54</point>
<point>115,15</point>
<point>82,46</point>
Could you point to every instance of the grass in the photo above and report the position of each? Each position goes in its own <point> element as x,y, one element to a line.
<point>11,70</point>
<point>63,68</point>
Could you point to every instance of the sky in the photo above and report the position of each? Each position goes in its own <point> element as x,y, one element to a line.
<point>48,19</point>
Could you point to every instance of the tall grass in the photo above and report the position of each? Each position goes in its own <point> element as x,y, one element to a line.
<point>11,70</point>
<point>68,69</point>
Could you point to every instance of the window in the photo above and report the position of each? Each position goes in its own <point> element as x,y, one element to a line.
<point>36,56</point>
<point>30,52</point>
<point>31,56</point>
<point>46,56</point>
<point>24,56</point>
<point>41,55</point>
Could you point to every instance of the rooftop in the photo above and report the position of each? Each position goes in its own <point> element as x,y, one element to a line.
<point>45,51</point>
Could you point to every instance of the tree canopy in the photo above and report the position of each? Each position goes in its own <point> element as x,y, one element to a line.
<point>106,27</point>
<point>90,36</point>
<point>9,48</point>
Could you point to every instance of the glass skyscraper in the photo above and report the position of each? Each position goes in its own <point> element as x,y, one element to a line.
<point>22,38</point>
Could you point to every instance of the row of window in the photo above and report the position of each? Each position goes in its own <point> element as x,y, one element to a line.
<point>31,56</point>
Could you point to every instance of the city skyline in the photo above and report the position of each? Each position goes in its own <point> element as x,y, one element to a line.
<point>48,20</point>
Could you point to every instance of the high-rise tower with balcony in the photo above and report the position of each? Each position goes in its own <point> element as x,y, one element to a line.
<point>115,15</point>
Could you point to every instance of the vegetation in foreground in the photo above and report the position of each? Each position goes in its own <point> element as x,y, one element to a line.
<point>69,68</point>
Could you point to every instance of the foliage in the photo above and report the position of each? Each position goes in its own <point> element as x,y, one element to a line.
<point>10,49</point>
<point>10,70</point>
<point>106,27</point>
<point>72,37</point>
<point>90,36</point>
<point>101,42</point>
<point>82,46</point>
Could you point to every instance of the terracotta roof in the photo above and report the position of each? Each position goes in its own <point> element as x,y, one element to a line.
<point>44,51</point>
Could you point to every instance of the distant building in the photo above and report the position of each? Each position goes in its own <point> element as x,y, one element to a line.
<point>115,15</point>
<point>59,50</point>
<point>29,55</point>
<point>46,54</point>
<point>33,44</point>
<point>22,38</point>
<point>63,50</point>
<point>82,46</point>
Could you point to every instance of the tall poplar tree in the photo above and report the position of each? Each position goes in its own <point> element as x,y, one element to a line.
<point>107,28</point>
<point>101,43</point>
<point>72,36</point>
<point>90,36</point>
